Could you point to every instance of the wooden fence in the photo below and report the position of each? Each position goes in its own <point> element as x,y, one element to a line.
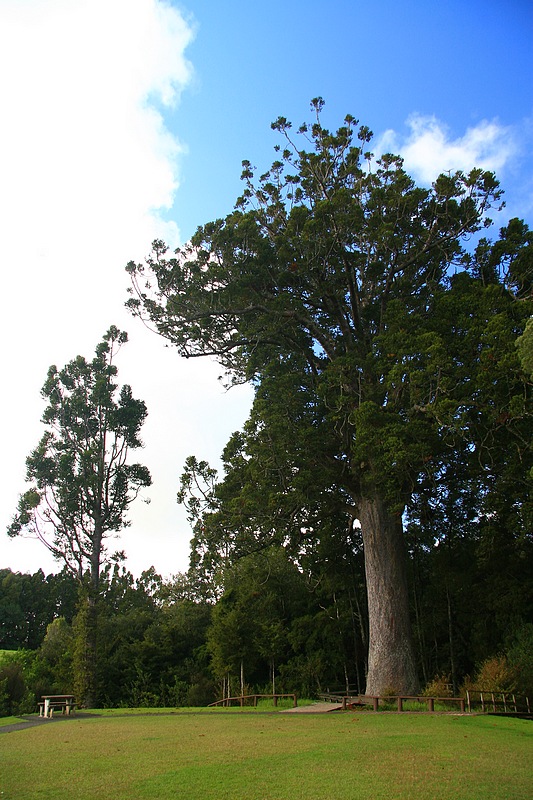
<point>398,700</point>
<point>241,699</point>
<point>498,702</point>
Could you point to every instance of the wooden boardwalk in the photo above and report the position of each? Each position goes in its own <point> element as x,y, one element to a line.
<point>314,708</point>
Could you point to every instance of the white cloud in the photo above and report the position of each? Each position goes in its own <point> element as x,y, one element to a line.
<point>83,147</point>
<point>87,170</point>
<point>428,149</point>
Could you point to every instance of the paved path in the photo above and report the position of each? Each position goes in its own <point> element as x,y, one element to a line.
<point>32,720</point>
<point>25,722</point>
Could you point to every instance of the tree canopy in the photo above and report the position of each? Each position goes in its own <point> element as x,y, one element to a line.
<point>81,481</point>
<point>338,270</point>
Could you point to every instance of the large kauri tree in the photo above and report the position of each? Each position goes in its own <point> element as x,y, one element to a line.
<point>81,482</point>
<point>339,263</point>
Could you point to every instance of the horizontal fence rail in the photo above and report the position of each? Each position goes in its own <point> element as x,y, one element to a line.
<point>488,702</point>
<point>498,702</point>
<point>348,701</point>
<point>227,701</point>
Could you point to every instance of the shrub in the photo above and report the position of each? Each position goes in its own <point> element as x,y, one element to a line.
<point>13,692</point>
<point>389,691</point>
<point>440,686</point>
<point>520,660</point>
<point>494,675</point>
<point>201,693</point>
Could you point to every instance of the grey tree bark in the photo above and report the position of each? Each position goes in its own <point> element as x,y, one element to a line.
<point>391,659</point>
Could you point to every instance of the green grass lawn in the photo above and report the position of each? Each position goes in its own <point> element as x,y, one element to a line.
<point>9,720</point>
<point>247,756</point>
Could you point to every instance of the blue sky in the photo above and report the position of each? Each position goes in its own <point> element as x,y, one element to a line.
<point>461,62</point>
<point>127,120</point>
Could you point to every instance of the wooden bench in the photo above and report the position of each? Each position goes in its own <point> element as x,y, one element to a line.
<point>51,703</point>
<point>66,708</point>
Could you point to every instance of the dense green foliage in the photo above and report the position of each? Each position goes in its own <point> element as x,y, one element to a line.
<point>372,524</point>
<point>391,396</point>
<point>275,626</point>
<point>82,484</point>
<point>150,652</point>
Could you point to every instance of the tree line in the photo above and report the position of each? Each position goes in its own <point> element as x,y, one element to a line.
<point>275,627</point>
<point>383,477</point>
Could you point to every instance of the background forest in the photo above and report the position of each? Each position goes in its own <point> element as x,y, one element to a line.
<point>296,628</point>
<point>390,433</point>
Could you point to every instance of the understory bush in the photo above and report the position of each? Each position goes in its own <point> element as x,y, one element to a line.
<point>511,671</point>
<point>440,686</point>
<point>520,660</point>
<point>15,696</point>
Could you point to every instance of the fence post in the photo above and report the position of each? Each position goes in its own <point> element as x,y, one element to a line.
<point>375,703</point>
<point>431,704</point>
<point>400,704</point>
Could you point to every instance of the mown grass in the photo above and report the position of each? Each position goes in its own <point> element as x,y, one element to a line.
<point>270,757</point>
<point>9,720</point>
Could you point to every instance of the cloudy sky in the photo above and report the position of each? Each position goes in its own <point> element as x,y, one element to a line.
<point>127,120</point>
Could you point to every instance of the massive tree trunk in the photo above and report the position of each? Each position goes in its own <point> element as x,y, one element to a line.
<point>391,661</point>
